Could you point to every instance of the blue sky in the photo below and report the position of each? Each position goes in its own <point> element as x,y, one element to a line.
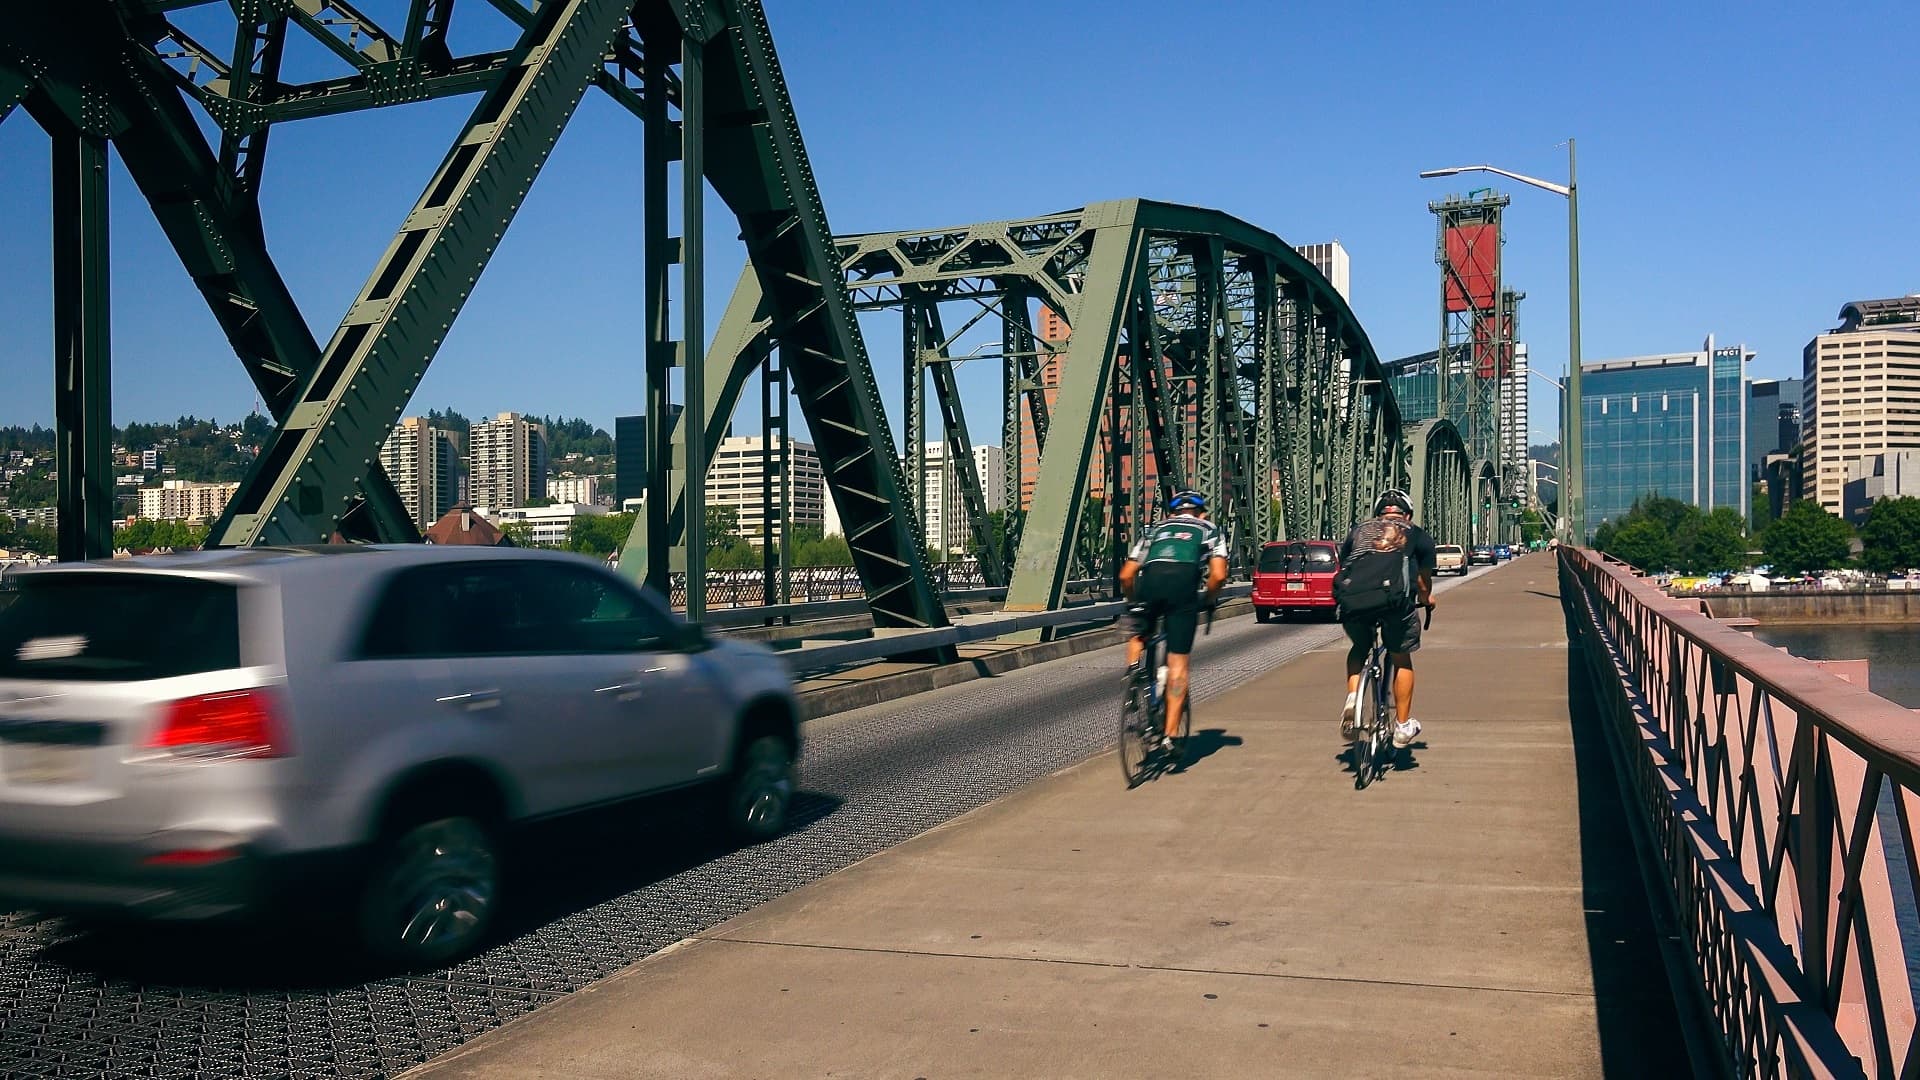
<point>1744,170</point>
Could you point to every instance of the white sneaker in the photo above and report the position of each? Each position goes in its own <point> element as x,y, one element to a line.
<point>1346,714</point>
<point>1404,734</point>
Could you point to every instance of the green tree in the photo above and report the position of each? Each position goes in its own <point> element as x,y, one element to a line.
<point>1806,539</point>
<point>32,489</point>
<point>518,533</point>
<point>1644,544</point>
<point>1712,543</point>
<point>825,551</point>
<point>1533,527</point>
<point>738,555</point>
<point>148,533</point>
<point>450,420</point>
<point>1890,537</point>
<point>723,528</point>
<point>599,535</point>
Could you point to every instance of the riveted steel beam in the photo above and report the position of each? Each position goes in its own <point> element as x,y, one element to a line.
<point>1098,316</point>
<point>83,418</point>
<point>959,450</point>
<point>312,467</point>
<point>213,227</point>
<point>758,164</point>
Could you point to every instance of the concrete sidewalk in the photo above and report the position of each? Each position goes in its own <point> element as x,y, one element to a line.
<point>1251,916</point>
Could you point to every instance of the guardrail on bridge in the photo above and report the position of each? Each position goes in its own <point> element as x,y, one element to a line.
<point>1781,803</point>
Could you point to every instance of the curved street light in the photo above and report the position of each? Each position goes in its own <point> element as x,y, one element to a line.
<point>1570,420</point>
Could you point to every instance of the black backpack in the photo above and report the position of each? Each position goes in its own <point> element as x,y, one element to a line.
<point>1378,573</point>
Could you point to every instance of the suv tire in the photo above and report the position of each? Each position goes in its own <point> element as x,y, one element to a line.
<point>431,894</point>
<point>756,799</point>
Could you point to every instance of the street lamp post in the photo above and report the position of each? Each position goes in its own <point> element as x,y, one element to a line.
<point>1574,481</point>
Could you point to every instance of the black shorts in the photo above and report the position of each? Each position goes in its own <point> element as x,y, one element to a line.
<point>1399,629</point>
<point>1168,591</point>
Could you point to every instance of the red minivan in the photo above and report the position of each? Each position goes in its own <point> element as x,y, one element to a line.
<point>1295,575</point>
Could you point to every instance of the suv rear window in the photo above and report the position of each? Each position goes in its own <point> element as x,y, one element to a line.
<point>1297,559</point>
<point>109,627</point>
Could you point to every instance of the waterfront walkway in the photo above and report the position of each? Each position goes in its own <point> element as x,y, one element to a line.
<point>1477,912</point>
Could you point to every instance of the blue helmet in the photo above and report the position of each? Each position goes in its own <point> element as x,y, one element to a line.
<point>1187,500</point>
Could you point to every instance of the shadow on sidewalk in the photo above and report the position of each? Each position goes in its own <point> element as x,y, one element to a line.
<point>1204,744</point>
<point>1639,1022</point>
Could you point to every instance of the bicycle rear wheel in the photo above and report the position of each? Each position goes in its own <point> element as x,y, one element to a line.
<point>1135,720</point>
<point>1364,752</point>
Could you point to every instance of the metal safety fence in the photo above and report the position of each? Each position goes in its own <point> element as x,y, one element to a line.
<point>1779,803</point>
<point>811,584</point>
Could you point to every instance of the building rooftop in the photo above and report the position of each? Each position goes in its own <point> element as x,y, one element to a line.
<point>1895,311</point>
<point>461,525</point>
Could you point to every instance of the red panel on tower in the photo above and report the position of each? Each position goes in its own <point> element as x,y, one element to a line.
<point>1473,267</point>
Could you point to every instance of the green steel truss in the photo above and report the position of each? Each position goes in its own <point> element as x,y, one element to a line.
<point>1205,352</point>
<point>120,73</point>
<point>1437,474</point>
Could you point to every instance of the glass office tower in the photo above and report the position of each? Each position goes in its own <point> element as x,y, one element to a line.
<point>1672,425</point>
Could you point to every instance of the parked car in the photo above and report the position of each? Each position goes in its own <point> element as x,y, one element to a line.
<point>1295,575</point>
<point>1482,556</point>
<point>204,735</point>
<point>1449,559</point>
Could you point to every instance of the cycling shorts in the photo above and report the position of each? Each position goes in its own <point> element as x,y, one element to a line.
<point>1399,629</point>
<point>1169,592</point>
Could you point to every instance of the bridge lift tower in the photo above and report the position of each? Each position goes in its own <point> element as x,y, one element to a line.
<point>1476,344</point>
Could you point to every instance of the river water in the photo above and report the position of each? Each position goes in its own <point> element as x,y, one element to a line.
<point>1892,650</point>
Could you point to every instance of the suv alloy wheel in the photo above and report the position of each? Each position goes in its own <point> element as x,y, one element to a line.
<point>431,896</point>
<point>760,792</point>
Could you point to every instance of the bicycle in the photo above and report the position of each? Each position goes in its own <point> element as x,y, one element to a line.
<point>1143,710</point>
<point>1374,714</point>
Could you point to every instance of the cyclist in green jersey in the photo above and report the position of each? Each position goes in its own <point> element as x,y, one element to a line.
<point>1169,564</point>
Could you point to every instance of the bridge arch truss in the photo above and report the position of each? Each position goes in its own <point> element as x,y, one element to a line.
<point>1204,352</point>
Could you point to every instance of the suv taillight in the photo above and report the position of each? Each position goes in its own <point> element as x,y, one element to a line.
<point>238,723</point>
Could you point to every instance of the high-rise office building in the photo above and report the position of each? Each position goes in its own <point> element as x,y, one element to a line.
<point>1513,413</point>
<point>185,500</point>
<point>947,527</point>
<point>1773,421</point>
<point>1331,260</point>
<point>1053,329</point>
<point>507,462</point>
<point>630,455</point>
<point>423,462</point>
<point>735,480</point>
<point>1860,393</point>
<point>629,458</point>
<point>1672,425</point>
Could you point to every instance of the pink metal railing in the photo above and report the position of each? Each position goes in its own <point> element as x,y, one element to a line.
<point>1782,800</point>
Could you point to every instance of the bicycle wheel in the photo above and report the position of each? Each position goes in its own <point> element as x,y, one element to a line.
<point>1366,723</point>
<point>1135,719</point>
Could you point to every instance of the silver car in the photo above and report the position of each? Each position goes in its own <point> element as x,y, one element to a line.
<point>207,734</point>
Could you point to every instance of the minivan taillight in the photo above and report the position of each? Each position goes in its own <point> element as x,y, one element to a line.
<point>238,723</point>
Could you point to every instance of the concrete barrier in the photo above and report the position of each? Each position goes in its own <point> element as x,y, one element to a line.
<point>1776,609</point>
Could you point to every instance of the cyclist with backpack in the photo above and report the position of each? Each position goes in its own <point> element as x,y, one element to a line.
<point>1385,577</point>
<point>1163,574</point>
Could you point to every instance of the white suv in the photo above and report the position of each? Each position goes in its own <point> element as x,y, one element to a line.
<point>207,734</point>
